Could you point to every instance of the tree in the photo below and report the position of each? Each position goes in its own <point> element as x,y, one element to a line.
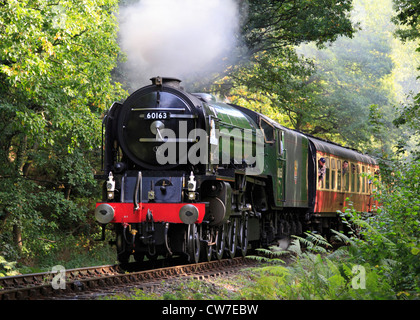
<point>407,19</point>
<point>277,84</point>
<point>56,60</point>
<point>274,79</point>
<point>352,75</point>
<point>273,24</point>
<point>356,81</point>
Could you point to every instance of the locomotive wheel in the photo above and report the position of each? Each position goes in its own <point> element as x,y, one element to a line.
<point>193,243</point>
<point>243,236</point>
<point>231,239</point>
<point>220,242</point>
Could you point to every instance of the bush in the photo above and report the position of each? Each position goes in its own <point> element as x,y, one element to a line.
<point>390,238</point>
<point>380,258</point>
<point>317,274</point>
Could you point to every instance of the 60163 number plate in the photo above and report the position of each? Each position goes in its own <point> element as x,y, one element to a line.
<point>156,115</point>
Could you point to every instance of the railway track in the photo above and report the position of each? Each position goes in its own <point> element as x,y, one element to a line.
<point>88,283</point>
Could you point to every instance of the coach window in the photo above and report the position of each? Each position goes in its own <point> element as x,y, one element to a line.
<point>339,175</point>
<point>363,179</point>
<point>333,174</point>
<point>268,130</point>
<point>357,178</point>
<point>346,175</point>
<point>367,180</point>
<point>321,181</point>
<point>353,177</point>
<point>327,173</point>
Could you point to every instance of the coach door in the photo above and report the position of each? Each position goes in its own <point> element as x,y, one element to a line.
<point>281,167</point>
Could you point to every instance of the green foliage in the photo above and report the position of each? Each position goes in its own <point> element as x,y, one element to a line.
<point>384,245</point>
<point>407,17</point>
<point>408,29</point>
<point>408,118</point>
<point>55,50</point>
<point>355,74</point>
<point>351,81</point>
<point>136,294</point>
<point>276,84</point>
<point>274,24</point>
<point>7,268</point>
<point>56,60</point>
<point>317,274</point>
<point>391,237</point>
<point>74,252</point>
<point>274,80</point>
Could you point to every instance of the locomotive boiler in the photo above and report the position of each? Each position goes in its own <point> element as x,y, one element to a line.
<point>189,176</point>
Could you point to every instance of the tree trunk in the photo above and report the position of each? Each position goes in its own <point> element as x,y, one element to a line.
<point>17,237</point>
<point>67,192</point>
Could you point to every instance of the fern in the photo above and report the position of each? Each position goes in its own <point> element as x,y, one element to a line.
<point>295,247</point>
<point>341,237</point>
<point>313,242</point>
<point>267,255</point>
<point>318,273</point>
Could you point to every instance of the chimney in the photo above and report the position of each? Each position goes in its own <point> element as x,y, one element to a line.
<point>167,81</point>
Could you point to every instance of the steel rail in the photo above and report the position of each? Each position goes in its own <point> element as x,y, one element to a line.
<point>39,285</point>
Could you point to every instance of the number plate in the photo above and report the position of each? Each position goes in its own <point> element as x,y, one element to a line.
<point>156,115</point>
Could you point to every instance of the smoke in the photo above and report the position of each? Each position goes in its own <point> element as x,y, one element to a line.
<point>186,39</point>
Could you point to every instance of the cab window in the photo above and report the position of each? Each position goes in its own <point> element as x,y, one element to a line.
<point>268,130</point>
<point>280,142</point>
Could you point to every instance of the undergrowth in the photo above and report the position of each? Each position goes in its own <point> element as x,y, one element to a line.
<point>316,273</point>
<point>70,252</point>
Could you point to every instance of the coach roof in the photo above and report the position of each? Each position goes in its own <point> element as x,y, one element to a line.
<point>340,151</point>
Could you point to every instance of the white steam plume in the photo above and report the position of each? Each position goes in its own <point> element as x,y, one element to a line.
<point>177,38</point>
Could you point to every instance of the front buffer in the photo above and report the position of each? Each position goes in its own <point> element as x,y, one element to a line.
<point>152,229</point>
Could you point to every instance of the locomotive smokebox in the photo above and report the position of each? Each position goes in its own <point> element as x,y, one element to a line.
<point>151,111</point>
<point>167,81</point>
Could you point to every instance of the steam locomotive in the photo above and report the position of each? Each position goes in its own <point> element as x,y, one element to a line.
<point>185,175</point>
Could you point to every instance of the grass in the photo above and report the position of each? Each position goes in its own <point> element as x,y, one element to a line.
<point>222,288</point>
<point>70,253</point>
